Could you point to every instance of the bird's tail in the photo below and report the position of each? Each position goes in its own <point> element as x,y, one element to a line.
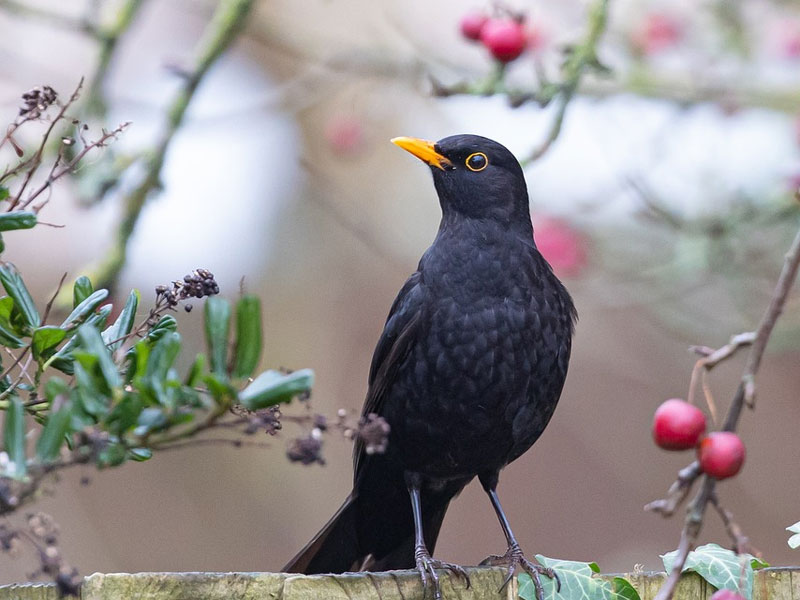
<point>367,534</point>
<point>334,549</point>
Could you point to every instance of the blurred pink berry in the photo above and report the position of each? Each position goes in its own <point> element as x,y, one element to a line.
<point>656,33</point>
<point>472,24</point>
<point>504,38</point>
<point>345,135</point>
<point>536,37</point>
<point>562,246</point>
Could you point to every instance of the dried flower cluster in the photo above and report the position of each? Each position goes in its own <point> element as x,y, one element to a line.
<point>36,101</point>
<point>197,284</point>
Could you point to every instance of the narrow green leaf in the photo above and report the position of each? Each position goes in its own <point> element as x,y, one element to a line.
<point>196,371</point>
<point>3,192</point>
<point>217,324</point>
<point>274,387</point>
<point>8,335</point>
<point>140,454</point>
<point>124,323</point>
<point>84,308</point>
<point>91,341</point>
<point>2,244</point>
<point>48,446</point>
<point>15,288</point>
<point>111,456</point>
<point>162,356</point>
<point>45,339</point>
<point>81,290</point>
<point>164,325</point>
<point>14,437</point>
<point>150,419</point>
<point>248,336</point>
<point>19,219</point>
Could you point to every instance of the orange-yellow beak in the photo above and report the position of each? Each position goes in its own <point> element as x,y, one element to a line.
<point>423,150</point>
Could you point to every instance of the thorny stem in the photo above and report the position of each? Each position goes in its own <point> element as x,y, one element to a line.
<point>226,23</point>
<point>744,393</point>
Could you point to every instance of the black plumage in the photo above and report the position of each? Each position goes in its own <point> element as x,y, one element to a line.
<point>467,372</point>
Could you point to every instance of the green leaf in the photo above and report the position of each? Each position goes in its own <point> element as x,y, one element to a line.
<point>14,437</point>
<point>45,339</point>
<point>150,419</point>
<point>217,322</point>
<point>248,336</point>
<point>111,456</point>
<point>84,308</point>
<point>19,219</point>
<point>93,401</point>
<point>721,567</point>
<point>48,446</point>
<point>8,333</point>
<point>794,541</point>
<point>578,582</point>
<point>3,192</point>
<point>81,290</point>
<point>162,356</point>
<point>90,340</point>
<point>140,454</point>
<point>15,288</point>
<point>163,326</point>
<point>274,387</point>
<point>624,590</point>
<point>124,323</point>
<point>195,373</point>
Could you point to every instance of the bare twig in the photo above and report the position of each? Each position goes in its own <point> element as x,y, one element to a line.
<point>36,159</point>
<point>745,392</point>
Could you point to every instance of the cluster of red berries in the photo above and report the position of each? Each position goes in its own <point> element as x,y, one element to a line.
<point>504,37</point>
<point>678,425</point>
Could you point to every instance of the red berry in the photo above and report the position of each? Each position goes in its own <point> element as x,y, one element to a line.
<point>561,245</point>
<point>656,33</point>
<point>725,594</point>
<point>678,425</point>
<point>472,24</point>
<point>504,38</point>
<point>721,454</point>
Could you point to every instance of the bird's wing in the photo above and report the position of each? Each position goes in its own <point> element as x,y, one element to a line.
<point>397,338</point>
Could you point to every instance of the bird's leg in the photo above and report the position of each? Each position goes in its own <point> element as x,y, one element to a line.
<point>514,557</point>
<point>426,565</point>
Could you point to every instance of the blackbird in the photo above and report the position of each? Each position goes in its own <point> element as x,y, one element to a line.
<point>467,372</point>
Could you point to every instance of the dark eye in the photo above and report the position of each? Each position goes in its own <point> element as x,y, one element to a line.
<point>477,161</point>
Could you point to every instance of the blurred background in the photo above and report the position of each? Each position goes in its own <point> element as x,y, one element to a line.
<point>665,202</point>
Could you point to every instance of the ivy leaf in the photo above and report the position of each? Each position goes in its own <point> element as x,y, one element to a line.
<point>794,541</point>
<point>578,582</point>
<point>720,567</point>
<point>14,437</point>
<point>274,387</point>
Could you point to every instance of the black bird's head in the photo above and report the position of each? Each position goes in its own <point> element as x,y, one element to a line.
<point>474,176</point>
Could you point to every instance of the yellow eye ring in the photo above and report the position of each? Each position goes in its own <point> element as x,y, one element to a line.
<point>477,161</point>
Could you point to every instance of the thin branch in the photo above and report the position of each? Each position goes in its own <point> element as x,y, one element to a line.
<point>228,19</point>
<point>745,392</point>
<point>56,173</point>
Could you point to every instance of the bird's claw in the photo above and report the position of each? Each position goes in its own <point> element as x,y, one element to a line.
<point>426,565</point>
<point>514,558</point>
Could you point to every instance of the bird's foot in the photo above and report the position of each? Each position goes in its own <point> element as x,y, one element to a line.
<point>426,565</point>
<point>514,558</point>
